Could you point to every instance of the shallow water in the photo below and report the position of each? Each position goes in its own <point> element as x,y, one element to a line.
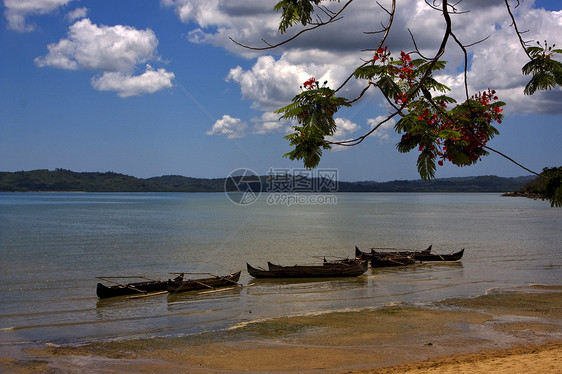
<point>54,245</point>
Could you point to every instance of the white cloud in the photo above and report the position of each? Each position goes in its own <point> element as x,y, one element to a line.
<point>115,51</point>
<point>271,83</point>
<point>383,132</point>
<point>17,11</point>
<point>270,122</point>
<point>345,129</point>
<point>128,85</point>
<point>229,127</point>
<point>217,20</point>
<point>334,51</point>
<point>77,14</point>
<point>107,48</point>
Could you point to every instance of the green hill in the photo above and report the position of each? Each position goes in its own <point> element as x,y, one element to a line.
<point>487,183</point>
<point>66,180</point>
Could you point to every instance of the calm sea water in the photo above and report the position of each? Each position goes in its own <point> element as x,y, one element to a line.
<point>54,245</point>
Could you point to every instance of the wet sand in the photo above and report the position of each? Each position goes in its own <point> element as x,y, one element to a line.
<point>511,332</point>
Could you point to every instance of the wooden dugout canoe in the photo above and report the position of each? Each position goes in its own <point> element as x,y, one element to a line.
<point>351,269</point>
<point>204,283</point>
<point>135,288</point>
<point>389,251</point>
<point>455,256</point>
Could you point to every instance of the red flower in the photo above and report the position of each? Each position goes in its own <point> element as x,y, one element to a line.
<point>309,84</point>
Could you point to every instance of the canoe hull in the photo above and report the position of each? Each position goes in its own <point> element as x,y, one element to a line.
<point>391,260</point>
<point>204,283</point>
<point>139,288</point>
<point>369,255</point>
<point>299,271</point>
<point>435,257</point>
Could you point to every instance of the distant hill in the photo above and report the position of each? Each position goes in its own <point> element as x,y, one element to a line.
<point>66,180</point>
<point>177,183</point>
<point>487,183</point>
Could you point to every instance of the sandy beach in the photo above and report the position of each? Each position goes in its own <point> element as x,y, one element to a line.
<point>496,333</point>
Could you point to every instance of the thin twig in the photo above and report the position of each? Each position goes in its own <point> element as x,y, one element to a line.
<point>521,41</point>
<point>512,160</point>
<point>333,18</point>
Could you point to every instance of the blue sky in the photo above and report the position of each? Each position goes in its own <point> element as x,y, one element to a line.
<point>155,87</point>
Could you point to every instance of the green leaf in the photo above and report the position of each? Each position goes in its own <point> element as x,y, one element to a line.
<point>424,65</point>
<point>541,81</point>
<point>449,134</point>
<point>369,71</point>
<point>388,86</point>
<point>308,147</point>
<point>426,165</point>
<point>314,109</point>
<point>432,84</point>
<point>553,190</point>
<point>295,11</point>
<point>545,70</point>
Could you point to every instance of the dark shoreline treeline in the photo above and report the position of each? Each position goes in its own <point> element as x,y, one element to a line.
<point>66,180</point>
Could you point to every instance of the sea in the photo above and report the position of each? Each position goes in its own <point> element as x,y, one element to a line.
<point>55,246</point>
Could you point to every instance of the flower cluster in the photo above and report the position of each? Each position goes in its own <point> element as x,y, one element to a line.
<point>401,98</point>
<point>476,128</point>
<point>486,99</point>
<point>315,105</point>
<point>310,84</point>
<point>382,54</point>
<point>459,135</point>
<point>403,69</point>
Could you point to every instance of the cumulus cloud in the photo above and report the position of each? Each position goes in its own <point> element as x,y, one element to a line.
<point>218,20</point>
<point>334,51</point>
<point>93,47</point>
<point>272,83</point>
<point>384,131</point>
<point>17,11</point>
<point>115,51</point>
<point>229,127</point>
<point>270,122</point>
<point>345,129</point>
<point>77,14</point>
<point>133,85</point>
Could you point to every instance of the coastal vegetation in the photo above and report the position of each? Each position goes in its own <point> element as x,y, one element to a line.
<point>548,186</point>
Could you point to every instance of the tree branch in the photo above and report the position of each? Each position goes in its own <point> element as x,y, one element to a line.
<point>521,41</point>
<point>333,18</point>
<point>510,159</point>
<point>438,55</point>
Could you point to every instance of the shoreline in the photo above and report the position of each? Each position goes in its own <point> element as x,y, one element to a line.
<point>399,338</point>
<point>524,359</point>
